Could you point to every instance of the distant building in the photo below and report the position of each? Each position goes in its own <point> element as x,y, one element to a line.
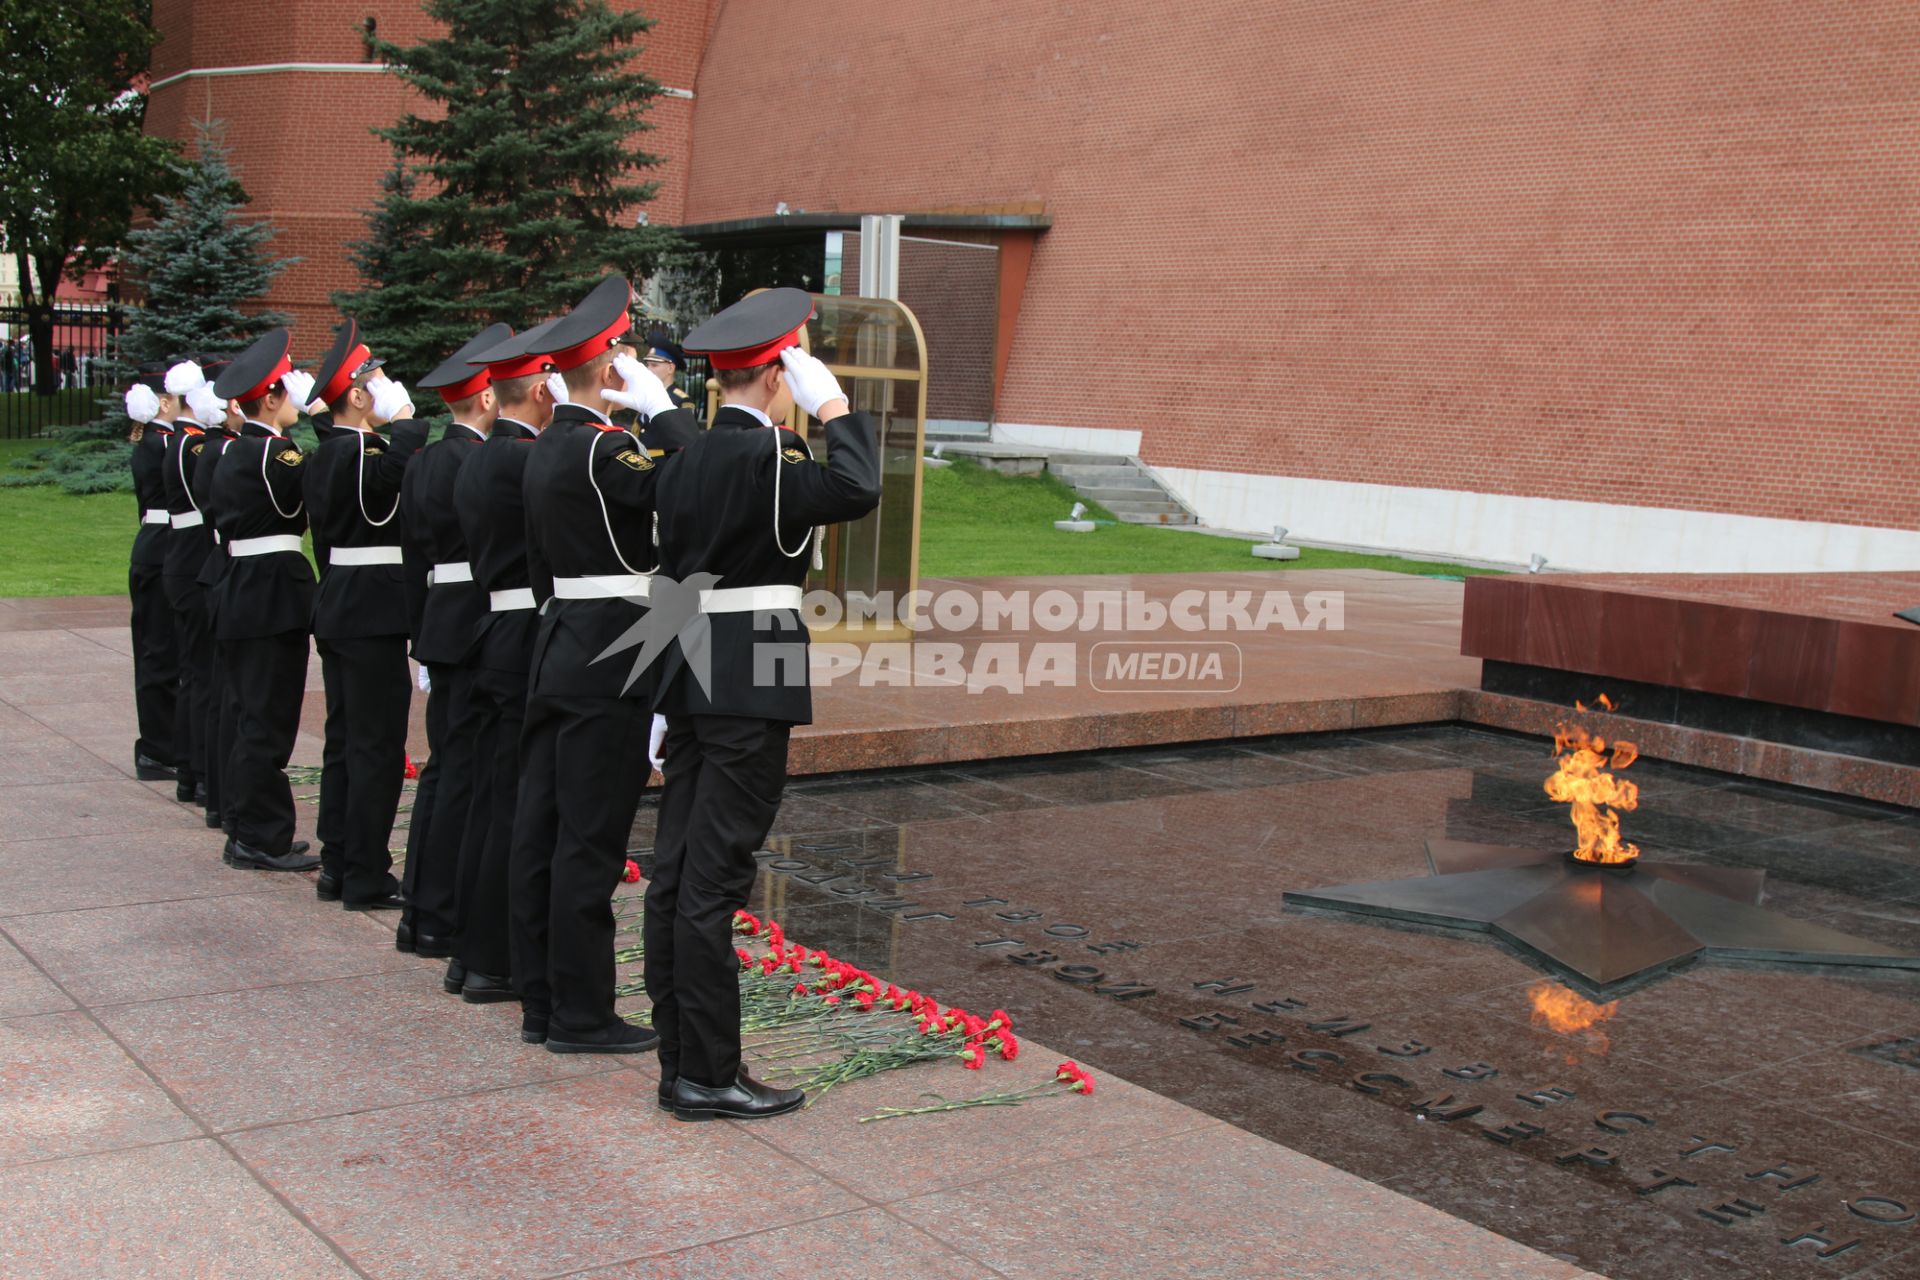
<point>1627,288</point>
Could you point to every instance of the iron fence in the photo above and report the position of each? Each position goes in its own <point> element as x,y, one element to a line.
<point>82,365</point>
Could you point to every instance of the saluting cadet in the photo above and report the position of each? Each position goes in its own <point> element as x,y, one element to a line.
<point>159,748</point>
<point>188,540</point>
<point>741,503</point>
<point>444,637</point>
<point>589,498</point>
<point>352,490</point>
<point>493,518</point>
<point>219,419</point>
<point>264,602</point>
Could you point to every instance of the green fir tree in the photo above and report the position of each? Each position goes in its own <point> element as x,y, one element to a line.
<point>530,176</point>
<point>204,270</point>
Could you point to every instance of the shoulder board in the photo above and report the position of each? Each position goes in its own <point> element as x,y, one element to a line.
<point>635,459</point>
<point>194,431</point>
<point>290,457</point>
<point>607,427</point>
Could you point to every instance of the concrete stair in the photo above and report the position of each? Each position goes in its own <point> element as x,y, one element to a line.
<point>1121,485</point>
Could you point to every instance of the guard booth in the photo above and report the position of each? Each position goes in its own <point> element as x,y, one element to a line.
<point>875,348</point>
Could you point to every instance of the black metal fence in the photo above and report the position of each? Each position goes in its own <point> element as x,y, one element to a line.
<point>82,344</point>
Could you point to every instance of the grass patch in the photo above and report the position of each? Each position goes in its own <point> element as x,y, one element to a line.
<point>23,411</point>
<point>56,544</point>
<point>979,523</point>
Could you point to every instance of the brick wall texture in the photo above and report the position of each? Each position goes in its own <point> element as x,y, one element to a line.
<point>1613,250</point>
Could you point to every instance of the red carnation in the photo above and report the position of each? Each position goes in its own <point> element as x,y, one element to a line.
<point>746,961</point>
<point>746,922</point>
<point>1009,1047</point>
<point>799,988</point>
<point>1072,1073</point>
<point>1002,1018</point>
<point>974,1057</point>
<point>412,769</point>
<point>632,874</point>
<point>833,999</point>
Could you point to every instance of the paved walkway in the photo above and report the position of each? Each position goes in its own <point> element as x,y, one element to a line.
<point>206,1073</point>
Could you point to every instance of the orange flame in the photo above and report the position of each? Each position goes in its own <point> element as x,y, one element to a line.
<point>1558,1009</point>
<point>1595,798</point>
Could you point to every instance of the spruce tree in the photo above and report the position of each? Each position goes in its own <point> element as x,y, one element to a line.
<point>203,270</point>
<point>530,177</point>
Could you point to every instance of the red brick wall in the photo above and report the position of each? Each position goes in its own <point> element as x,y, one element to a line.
<point>300,139</point>
<point>1634,252</point>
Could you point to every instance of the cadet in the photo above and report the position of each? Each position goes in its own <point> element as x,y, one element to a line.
<point>160,747</point>
<point>264,602</point>
<point>589,499</point>
<point>189,538</point>
<point>221,421</point>
<point>741,503</point>
<point>360,619</point>
<point>443,639</point>
<point>493,518</point>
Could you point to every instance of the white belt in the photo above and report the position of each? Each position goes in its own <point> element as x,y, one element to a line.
<point>363,555</point>
<point>265,546</point>
<point>156,515</point>
<point>189,519</point>
<point>458,571</point>
<point>609,586</point>
<point>510,599</point>
<point>750,599</point>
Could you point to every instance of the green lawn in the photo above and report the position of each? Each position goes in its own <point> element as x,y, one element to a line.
<point>976,523</point>
<point>20,410</point>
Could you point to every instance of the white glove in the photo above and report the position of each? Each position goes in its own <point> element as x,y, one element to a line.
<point>209,408</point>
<point>299,385</point>
<point>142,405</point>
<point>424,680</point>
<point>184,377</point>
<point>645,394</point>
<point>390,402</point>
<point>812,385</point>
<point>656,739</point>
<point>557,388</point>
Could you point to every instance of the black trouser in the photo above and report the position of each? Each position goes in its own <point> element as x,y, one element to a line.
<point>500,707</point>
<point>583,767</point>
<point>268,677</point>
<point>193,642</point>
<point>369,680</point>
<point>156,666</point>
<point>446,793</point>
<point>724,779</point>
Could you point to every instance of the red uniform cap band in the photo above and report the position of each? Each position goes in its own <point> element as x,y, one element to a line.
<point>519,366</point>
<point>748,357</point>
<point>575,356</point>
<point>281,366</point>
<point>343,377</point>
<point>467,387</point>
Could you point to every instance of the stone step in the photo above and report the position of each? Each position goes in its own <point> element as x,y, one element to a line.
<point>1164,517</point>
<point>1103,477</point>
<point>1107,495</point>
<point>1141,503</point>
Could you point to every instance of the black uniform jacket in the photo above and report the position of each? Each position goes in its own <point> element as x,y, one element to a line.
<point>444,616</point>
<point>186,548</point>
<point>353,499</point>
<point>257,493</point>
<point>493,515</point>
<point>149,465</point>
<point>716,508</point>
<point>214,567</point>
<point>589,490</point>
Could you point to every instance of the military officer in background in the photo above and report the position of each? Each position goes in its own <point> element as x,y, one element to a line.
<point>443,640</point>
<point>589,499</point>
<point>264,602</point>
<point>352,489</point>
<point>666,362</point>
<point>220,421</point>
<point>188,540</point>
<point>742,502</point>
<point>494,520</point>
<point>161,745</point>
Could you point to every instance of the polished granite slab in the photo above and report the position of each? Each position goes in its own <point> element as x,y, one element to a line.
<point>1728,1119</point>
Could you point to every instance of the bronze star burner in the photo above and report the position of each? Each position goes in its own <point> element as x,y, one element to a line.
<point>1604,925</point>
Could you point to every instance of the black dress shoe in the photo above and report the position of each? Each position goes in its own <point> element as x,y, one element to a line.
<point>184,791</point>
<point>247,858</point>
<point>147,769</point>
<point>384,902</point>
<point>666,1092</point>
<point>432,946</point>
<point>533,1028</point>
<point>484,988</point>
<point>200,794</point>
<point>215,822</point>
<point>745,1099</point>
<point>456,976</point>
<point>615,1037</point>
<point>327,887</point>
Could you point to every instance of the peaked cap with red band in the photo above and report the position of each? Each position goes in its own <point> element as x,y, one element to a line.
<point>514,357</point>
<point>347,360</point>
<point>462,374</point>
<point>252,373</point>
<point>591,328</point>
<point>754,330</point>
